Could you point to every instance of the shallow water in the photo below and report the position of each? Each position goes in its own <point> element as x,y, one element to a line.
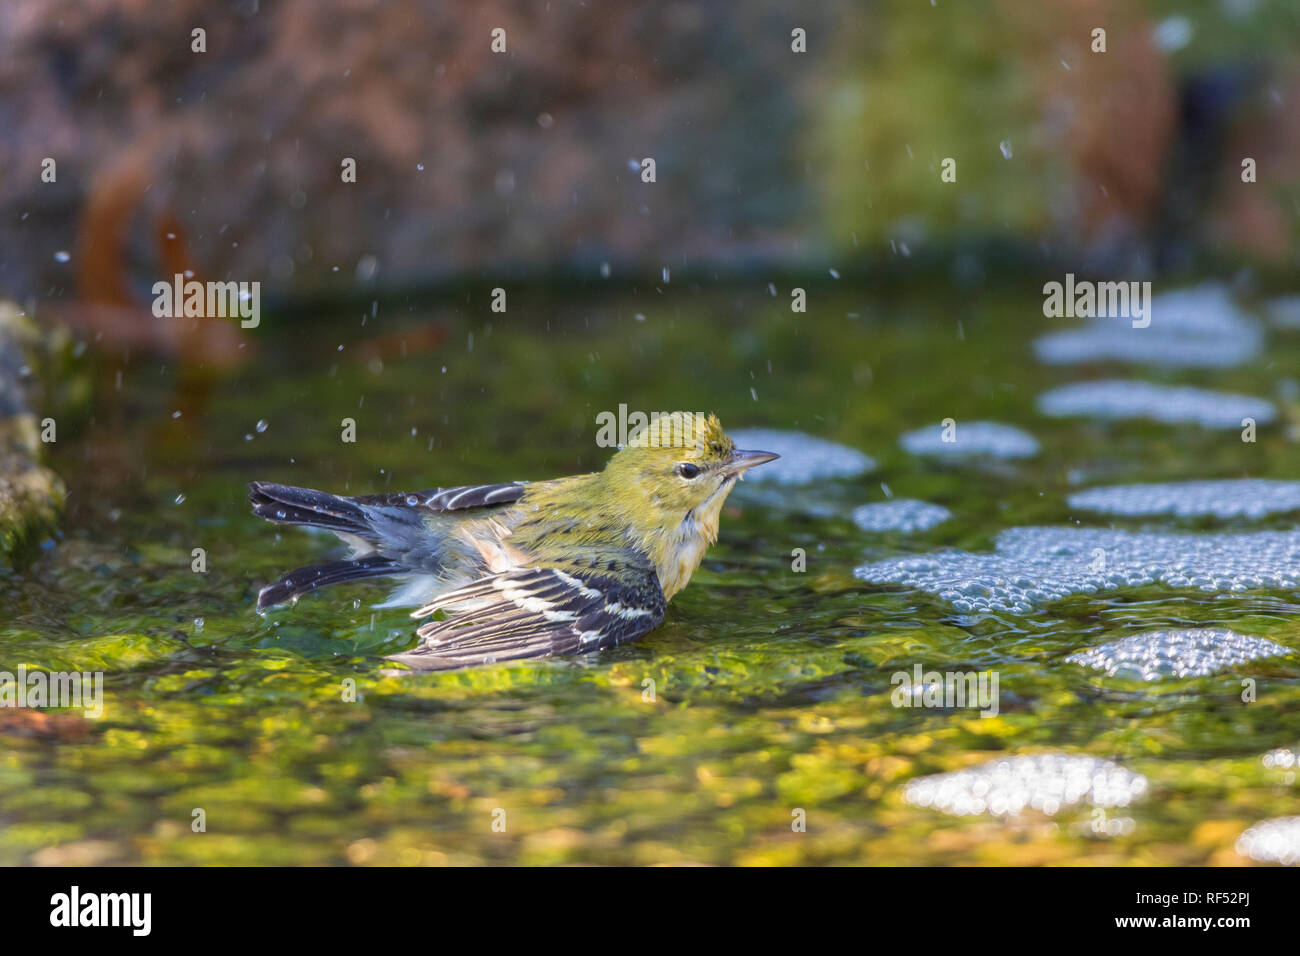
<point>772,687</point>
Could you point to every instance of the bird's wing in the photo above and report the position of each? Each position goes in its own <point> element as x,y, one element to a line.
<point>538,612</point>
<point>450,499</point>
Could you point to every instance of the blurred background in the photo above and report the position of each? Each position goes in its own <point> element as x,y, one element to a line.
<point>473,164</point>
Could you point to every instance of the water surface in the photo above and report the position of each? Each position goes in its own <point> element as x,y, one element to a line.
<point>771,686</point>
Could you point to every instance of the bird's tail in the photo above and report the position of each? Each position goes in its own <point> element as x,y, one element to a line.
<point>284,504</point>
<point>297,583</point>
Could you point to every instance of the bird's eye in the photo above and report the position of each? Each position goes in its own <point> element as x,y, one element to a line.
<point>687,470</point>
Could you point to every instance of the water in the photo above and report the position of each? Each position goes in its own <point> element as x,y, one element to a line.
<point>766,692</point>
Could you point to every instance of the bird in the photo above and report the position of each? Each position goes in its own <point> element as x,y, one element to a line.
<point>534,569</point>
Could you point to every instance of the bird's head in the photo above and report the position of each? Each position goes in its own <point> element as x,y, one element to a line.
<point>681,465</point>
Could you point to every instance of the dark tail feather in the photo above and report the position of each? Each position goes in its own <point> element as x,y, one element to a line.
<point>365,526</point>
<point>285,504</point>
<point>297,583</point>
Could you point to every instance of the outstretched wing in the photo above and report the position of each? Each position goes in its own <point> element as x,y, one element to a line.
<point>538,612</point>
<point>449,499</point>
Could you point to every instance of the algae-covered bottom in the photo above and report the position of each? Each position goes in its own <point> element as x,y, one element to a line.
<point>758,724</point>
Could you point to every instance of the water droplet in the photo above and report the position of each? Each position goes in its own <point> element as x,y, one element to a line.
<point>367,268</point>
<point>1005,146</point>
<point>261,425</point>
<point>180,499</point>
<point>62,256</point>
<point>198,624</point>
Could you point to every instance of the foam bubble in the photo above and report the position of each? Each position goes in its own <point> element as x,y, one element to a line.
<point>1173,405</point>
<point>1273,841</point>
<point>901,514</point>
<point>1138,347</point>
<point>1200,327</point>
<point>1043,782</point>
<point>804,458</point>
<point>1190,652</point>
<point>1285,311</point>
<point>1205,309</point>
<point>971,439</point>
<point>1281,759</point>
<point>1241,498</point>
<point>1036,566</point>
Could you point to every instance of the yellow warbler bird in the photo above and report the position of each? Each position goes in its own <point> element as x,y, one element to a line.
<point>531,569</point>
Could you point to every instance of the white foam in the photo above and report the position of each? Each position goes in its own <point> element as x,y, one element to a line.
<point>1188,652</point>
<point>1273,841</point>
<point>902,514</point>
<point>1043,782</point>
<point>1139,347</point>
<point>1035,566</point>
<point>1240,498</point>
<point>1199,327</point>
<point>971,440</point>
<point>1170,404</point>
<point>804,458</point>
<point>1281,759</point>
<point>1285,311</point>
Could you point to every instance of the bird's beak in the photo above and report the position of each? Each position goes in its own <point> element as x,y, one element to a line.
<point>741,461</point>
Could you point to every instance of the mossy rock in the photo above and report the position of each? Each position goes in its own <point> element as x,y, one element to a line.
<point>31,495</point>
